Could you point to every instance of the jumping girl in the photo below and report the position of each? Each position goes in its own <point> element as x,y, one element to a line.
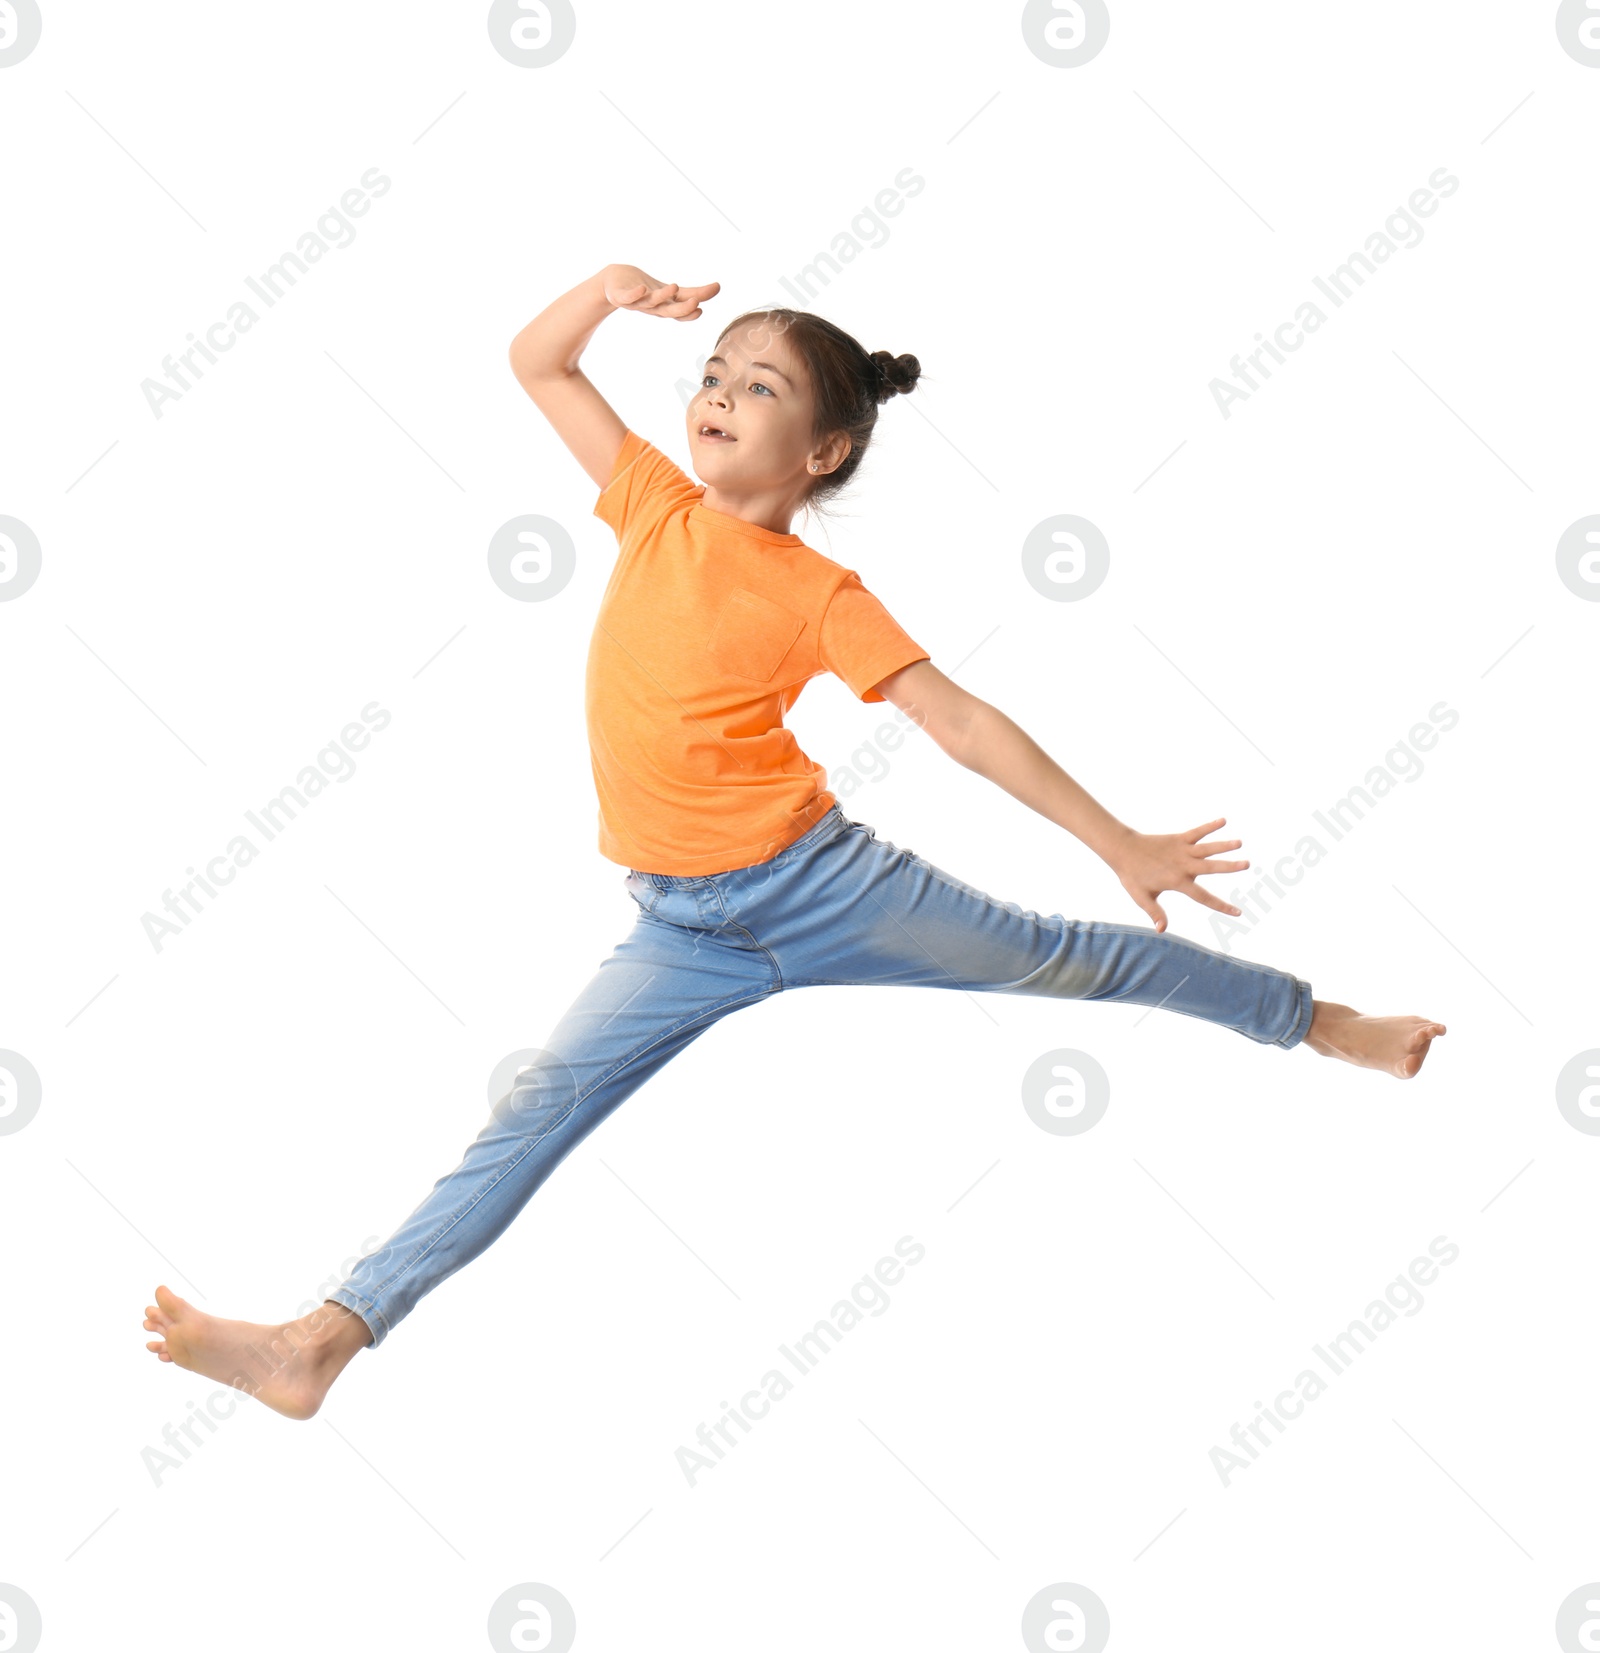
<point>747,877</point>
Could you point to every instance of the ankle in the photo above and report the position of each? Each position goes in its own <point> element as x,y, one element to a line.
<point>314,1333</point>
<point>339,1328</point>
<point>1324,1015</point>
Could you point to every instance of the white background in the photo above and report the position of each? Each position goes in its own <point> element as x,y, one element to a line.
<point>305,531</point>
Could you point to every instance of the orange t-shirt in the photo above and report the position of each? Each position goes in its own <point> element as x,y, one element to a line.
<point>708,630</point>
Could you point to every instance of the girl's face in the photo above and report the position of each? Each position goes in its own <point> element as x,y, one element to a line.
<point>750,424</point>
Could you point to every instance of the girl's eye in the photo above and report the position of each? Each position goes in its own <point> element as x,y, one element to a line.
<point>756,384</point>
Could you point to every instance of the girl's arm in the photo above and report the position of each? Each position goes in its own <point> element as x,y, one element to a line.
<point>980,737</point>
<point>544,357</point>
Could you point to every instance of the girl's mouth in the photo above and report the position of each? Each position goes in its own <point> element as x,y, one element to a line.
<point>715,433</point>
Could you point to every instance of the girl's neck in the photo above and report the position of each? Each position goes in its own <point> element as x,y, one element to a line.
<point>771,510</point>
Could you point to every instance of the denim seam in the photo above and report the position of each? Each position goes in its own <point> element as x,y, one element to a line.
<point>1303,1014</point>
<point>777,973</point>
<point>368,1312</point>
<point>1182,941</point>
<point>534,1141</point>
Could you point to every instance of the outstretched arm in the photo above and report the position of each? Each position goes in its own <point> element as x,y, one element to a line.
<point>545,354</point>
<point>980,737</point>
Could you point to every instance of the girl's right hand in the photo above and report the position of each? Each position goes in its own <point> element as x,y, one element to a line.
<point>629,288</point>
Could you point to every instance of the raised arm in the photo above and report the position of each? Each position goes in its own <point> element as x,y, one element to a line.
<point>980,737</point>
<point>545,354</point>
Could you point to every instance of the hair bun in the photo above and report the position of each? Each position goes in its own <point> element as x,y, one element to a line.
<point>897,375</point>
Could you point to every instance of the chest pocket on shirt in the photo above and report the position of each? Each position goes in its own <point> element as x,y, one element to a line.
<point>752,635</point>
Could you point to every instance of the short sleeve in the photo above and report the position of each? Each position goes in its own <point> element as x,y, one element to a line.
<point>644,484</point>
<point>860,642</point>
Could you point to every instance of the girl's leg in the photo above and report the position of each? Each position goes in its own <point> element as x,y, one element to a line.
<point>855,909</point>
<point>844,907</point>
<point>658,991</point>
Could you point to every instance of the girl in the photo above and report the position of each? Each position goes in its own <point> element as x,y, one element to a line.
<point>747,877</point>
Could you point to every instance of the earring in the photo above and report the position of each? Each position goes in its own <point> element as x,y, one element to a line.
<point>813,467</point>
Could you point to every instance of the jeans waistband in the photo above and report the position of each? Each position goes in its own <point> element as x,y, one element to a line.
<point>833,822</point>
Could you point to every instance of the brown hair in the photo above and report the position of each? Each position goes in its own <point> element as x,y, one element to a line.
<point>849,385</point>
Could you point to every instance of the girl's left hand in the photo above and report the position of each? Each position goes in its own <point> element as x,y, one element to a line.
<point>1148,863</point>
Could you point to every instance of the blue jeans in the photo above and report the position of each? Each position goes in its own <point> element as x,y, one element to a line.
<point>837,907</point>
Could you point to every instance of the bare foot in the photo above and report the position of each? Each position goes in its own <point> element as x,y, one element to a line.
<point>1394,1044</point>
<point>289,1367</point>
